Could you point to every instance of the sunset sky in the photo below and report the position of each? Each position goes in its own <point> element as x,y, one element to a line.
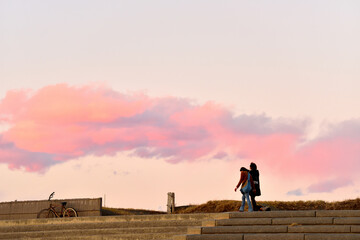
<point>134,99</point>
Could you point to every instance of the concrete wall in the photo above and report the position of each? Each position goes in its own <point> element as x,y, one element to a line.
<point>30,209</point>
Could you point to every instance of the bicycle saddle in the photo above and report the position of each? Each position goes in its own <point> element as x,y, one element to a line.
<point>63,203</point>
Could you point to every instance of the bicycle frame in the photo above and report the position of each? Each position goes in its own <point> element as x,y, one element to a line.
<point>58,214</point>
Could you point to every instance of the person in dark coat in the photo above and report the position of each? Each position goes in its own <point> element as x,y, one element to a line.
<point>255,176</point>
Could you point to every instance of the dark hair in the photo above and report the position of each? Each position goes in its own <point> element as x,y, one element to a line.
<point>243,169</point>
<point>253,166</point>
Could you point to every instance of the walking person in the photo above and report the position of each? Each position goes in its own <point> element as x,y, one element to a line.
<point>255,176</point>
<point>247,185</point>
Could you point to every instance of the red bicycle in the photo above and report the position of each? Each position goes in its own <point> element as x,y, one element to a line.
<point>52,213</point>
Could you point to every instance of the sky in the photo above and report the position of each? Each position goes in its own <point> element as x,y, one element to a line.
<point>130,100</point>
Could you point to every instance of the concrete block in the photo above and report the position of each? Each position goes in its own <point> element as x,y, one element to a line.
<point>194,230</point>
<point>274,236</point>
<point>303,221</point>
<point>212,237</point>
<point>355,229</point>
<point>347,220</point>
<point>179,237</point>
<point>209,223</point>
<point>272,214</point>
<point>324,236</point>
<point>225,215</point>
<point>244,229</point>
<point>319,229</point>
<point>338,213</point>
<point>243,221</point>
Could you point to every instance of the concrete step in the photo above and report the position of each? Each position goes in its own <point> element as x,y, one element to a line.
<point>123,218</point>
<point>275,229</point>
<point>99,225</point>
<point>140,233</point>
<point>162,236</point>
<point>108,237</point>
<point>273,236</point>
<point>110,227</point>
<point>292,214</point>
<point>275,225</point>
<point>278,225</point>
<point>282,221</point>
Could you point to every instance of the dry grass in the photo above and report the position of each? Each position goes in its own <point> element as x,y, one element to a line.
<point>127,211</point>
<point>232,205</point>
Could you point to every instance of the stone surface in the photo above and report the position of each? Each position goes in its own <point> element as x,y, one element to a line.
<point>244,229</point>
<point>303,221</point>
<point>319,229</point>
<point>279,236</point>
<point>175,226</point>
<point>209,223</point>
<point>272,214</point>
<point>211,237</point>
<point>338,213</point>
<point>332,236</point>
<point>194,230</point>
<point>347,220</point>
<point>243,221</point>
<point>355,229</point>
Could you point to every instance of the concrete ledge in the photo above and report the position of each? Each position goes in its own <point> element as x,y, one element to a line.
<point>303,221</point>
<point>179,237</point>
<point>194,230</point>
<point>347,220</point>
<point>338,213</point>
<point>319,229</point>
<point>355,229</point>
<point>243,221</point>
<point>211,237</point>
<point>106,219</point>
<point>244,229</point>
<point>332,236</point>
<point>276,236</point>
<point>272,214</point>
<point>209,223</point>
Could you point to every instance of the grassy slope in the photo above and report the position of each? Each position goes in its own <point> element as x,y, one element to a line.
<point>231,205</point>
<point>127,211</point>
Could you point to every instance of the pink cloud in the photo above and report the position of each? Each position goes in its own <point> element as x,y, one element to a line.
<point>330,185</point>
<point>61,122</point>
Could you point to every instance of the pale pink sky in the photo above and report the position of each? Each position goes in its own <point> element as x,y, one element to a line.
<point>126,98</point>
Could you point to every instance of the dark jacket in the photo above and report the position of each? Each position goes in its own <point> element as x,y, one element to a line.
<point>255,176</point>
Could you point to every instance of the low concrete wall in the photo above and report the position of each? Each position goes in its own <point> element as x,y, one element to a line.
<point>30,209</point>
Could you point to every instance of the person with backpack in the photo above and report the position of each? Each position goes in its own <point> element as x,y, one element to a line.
<point>255,176</point>
<point>247,185</point>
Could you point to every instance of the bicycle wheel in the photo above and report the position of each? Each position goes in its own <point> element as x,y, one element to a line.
<point>70,212</point>
<point>46,213</point>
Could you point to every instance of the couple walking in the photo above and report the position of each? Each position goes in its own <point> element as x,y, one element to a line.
<point>250,185</point>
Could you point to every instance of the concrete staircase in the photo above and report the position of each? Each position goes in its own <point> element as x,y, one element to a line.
<point>105,227</point>
<point>279,225</point>
<point>275,225</point>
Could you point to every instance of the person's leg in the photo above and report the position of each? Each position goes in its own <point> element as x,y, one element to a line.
<point>241,209</point>
<point>253,201</point>
<point>249,203</point>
